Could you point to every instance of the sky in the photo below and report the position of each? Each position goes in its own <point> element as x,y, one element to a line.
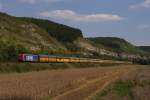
<point>128,19</point>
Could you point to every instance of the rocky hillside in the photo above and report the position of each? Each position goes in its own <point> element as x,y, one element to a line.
<point>117,47</point>
<point>71,38</point>
<point>27,34</point>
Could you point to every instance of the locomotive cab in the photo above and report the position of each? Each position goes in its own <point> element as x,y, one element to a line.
<point>21,58</point>
<point>28,58</point>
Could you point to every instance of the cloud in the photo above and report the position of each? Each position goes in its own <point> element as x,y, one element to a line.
<point>35,1</point>
<point>145,4</point>
<point>71,15</point>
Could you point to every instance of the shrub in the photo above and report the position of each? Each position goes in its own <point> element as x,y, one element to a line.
<point>9,51</point>
<point>141,61</point>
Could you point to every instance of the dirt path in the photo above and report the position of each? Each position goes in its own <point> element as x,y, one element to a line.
<point>69,84</point>
<point>84,91</point>
<point>88,90</point>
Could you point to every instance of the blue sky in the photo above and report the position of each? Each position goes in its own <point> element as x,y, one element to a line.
<point>129,19</point>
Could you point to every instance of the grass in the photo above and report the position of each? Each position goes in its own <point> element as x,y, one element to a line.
<point>27,67</point>
<point>46,98</point>
<point>7,67</point>
<point>123,88</point>
<point>120,89</point>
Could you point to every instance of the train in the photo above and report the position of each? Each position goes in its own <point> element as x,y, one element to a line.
<point>61,59</point>
<point>52,59</point>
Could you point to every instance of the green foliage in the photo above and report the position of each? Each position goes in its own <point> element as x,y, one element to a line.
<point>61,32</point>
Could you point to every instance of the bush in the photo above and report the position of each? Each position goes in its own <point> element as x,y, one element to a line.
<point>9,51</point>
<point>141,61</point>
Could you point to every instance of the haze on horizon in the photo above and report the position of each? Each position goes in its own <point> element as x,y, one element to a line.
<point>128,19</point>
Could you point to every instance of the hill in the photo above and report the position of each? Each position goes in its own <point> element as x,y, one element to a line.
<point>58,31</point>
<point>32,35</point>
<point>71,38</point>
<point>116,45</point>
<point>145,48</point>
